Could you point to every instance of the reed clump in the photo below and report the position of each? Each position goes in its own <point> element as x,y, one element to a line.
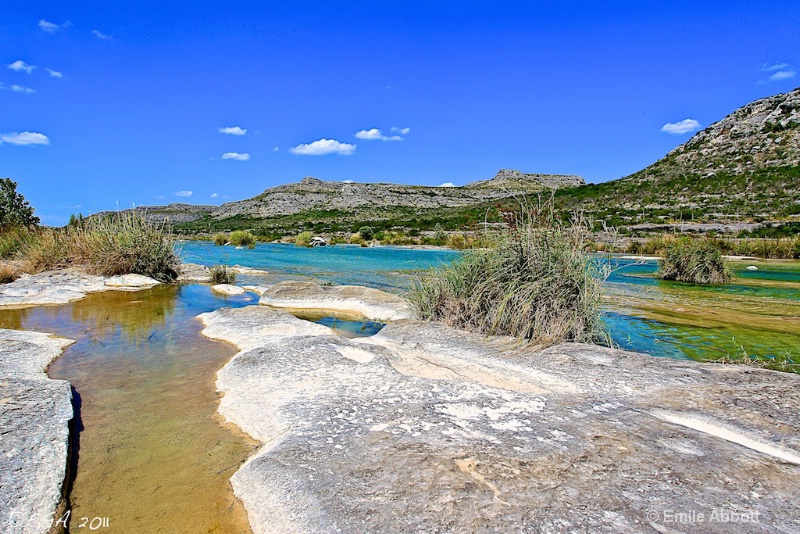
<point>537,283</point>
<point>243,238</point>
<point>304,239</point>
<point>220,239</point>
<point>698,261</point>
<point>121,243</point>
<point>222,274</point>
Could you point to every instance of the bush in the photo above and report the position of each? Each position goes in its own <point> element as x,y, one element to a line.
<point>694,260</point>
<point>304,239</point>
<point>356,239</point>
<point>220,239</point>
<point>7,275</point>
<point>117,244</point>
<point>366,233</point>
<point>243,238</point>
<point>537,283</point>
<point>14,209</point>
<point>221,274</point>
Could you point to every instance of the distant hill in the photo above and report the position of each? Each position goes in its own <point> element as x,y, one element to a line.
<point>744,167</point>
<point>336,206</point>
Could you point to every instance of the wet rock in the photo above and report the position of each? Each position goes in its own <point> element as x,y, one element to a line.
<point>423,428</point>
<point>228,289</point>
<point>34,432</point>
<point>61,287</point>
<point>357,301</point>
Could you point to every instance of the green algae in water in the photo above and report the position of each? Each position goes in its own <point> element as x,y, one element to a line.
<point>153,456</point>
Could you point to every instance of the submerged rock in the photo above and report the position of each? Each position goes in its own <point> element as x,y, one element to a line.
<point>424,428</point>
<point>349,300</point>
<point>34,432</point>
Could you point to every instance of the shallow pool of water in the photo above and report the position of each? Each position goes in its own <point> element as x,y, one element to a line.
<point>153,454</point>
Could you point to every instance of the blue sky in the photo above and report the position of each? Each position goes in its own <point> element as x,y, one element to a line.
<point>106,104</point>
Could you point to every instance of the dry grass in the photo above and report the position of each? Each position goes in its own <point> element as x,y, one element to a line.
<point>537,283</point>
<point>698,261</point>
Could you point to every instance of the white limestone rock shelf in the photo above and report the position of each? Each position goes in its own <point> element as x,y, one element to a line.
<point>35,412</point>
<point>424,428</point>
<point>63,286</point>
<point>349,300</point>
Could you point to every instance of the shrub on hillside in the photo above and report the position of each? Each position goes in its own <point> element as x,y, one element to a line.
<point>536,283</point>
<point>694,260</point>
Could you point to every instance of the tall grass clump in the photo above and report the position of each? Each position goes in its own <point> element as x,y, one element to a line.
<point>536,283</point>
<point>220,239</point>
<point>243,238</point>
<point>304,239</point>
<point>698,261</point>
<point>221,274</point>
<point>121,243</point>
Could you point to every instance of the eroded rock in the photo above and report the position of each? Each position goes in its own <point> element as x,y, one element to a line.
<point>34,432</point>
<point>228,289</point>
<point>357,301</point>
<point>424,428</point>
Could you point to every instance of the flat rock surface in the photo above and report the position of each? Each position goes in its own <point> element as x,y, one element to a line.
<point>192,272</point>
<point>350,300</point>
<point>423,428</point>
<point>63,286</point>
<point>228,289</point>
<point>34,432</point>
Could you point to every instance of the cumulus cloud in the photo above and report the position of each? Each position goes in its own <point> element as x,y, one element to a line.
<point>682,127</point>
<point>101,35</point>
<point>401,131</point>
<point>22,89</point>
<point>54,73</point>
<point>348,181</point>
<point>183,193</point>
<point>447,184</point>
<point>21,66</point>
<point>236,155</point>
<point>276,149</point>
<point>374,134</point>
<point>48,27</point>
<point>324,147</point>
<point>25,138</point>
<point>214,195</point>
<point>233,130</point>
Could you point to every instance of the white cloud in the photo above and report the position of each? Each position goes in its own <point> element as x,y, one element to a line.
<point>183,193</point>
<point>348,182</point>
<point>48,27</point>
<point>233,130</point>
<point>374,134</point>
<point>766,67</point>
<point>25,138</point>
<point>159,197</point>
<point>324,147</point>
<point>22,89</point>
<point>236,155</point>
<point>276,149</point>
<point>682,127</point>
<point>20,65</point>
<point>214,195</point>
<point>101,35</point>
<point>447,184</point>
<point>401,131</point>
<point>781,75</point>
<point>54,73</point>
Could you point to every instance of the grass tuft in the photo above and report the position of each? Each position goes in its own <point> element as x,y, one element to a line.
<point>698,261</point>
<point>220,239</point>
<point>221,274</point>
<point>304,239</point>
<point>536,283</point>
<point>243,238</point>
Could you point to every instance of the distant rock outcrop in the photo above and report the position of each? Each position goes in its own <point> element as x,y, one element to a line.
<point>510,178</point>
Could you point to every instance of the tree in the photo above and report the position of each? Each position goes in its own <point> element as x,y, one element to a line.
<point>14,209</point>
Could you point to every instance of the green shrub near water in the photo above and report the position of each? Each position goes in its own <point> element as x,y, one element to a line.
<point>698,261</point>
<point>221,274</point>
<point>220,239</point>
<point>537,283</point>
<point>243,238</point>
<point>122,243</point>
<point>304,239</point>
